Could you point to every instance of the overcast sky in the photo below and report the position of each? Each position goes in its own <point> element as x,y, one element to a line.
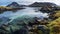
<point>5,2</point>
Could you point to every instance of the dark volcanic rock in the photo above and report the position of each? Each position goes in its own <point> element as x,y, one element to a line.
<point>42,4</point>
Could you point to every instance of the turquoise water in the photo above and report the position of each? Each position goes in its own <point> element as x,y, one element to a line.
<point>28,12</point>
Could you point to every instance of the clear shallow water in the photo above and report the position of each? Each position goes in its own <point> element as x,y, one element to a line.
<point>29,11</point>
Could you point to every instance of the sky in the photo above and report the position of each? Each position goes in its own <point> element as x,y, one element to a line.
<point>6,2</point>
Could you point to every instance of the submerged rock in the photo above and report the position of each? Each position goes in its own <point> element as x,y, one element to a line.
<point>16,25</point>
<point>4,20</point>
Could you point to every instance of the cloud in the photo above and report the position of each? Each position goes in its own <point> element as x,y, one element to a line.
<point>31,1</point>
<point>5,2</point>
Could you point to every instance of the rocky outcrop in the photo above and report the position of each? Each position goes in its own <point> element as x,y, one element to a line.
<point>3,9</point>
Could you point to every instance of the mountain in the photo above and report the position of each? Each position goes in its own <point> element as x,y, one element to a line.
<point>42,4</point>
<point>13,4</point>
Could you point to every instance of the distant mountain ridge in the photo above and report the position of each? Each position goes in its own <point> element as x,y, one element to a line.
<point>42,4</point>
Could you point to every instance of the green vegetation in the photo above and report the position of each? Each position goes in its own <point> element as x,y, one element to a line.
<point>33,25</point>
<point>3,7</point>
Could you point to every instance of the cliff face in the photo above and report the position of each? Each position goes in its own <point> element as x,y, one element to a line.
<point>42,4</point>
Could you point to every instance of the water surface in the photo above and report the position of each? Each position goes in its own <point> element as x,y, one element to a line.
<point>28,11</point>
